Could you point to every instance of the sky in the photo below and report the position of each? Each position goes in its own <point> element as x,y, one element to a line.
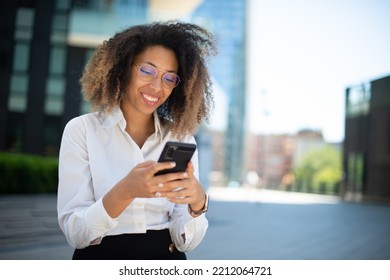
<point>303,54</point>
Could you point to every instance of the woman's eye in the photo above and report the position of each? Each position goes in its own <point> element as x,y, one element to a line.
<point>168,80</point>
<point>146,72</point>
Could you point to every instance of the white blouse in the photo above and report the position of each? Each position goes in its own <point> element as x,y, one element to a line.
<point>96,152</point>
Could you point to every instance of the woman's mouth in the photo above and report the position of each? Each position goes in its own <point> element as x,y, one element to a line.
<point>151,100</point>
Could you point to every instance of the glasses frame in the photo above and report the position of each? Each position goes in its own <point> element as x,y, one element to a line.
<point>164,73</point>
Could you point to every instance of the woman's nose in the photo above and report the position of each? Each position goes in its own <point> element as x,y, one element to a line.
<point>157,83</point>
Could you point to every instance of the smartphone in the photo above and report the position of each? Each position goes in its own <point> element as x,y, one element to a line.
<point>179,152</point>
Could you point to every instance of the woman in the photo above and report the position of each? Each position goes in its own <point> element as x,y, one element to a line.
<point>148,85</point>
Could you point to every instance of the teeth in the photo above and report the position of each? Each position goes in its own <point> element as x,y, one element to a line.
<point>150,98</point>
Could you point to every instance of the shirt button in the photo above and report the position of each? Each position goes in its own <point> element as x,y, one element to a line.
<point>171,248</point>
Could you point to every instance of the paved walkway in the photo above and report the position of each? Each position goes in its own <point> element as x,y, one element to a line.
<point>244,224</point>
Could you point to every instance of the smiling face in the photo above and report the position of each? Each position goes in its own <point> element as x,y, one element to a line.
<point>144,97</point>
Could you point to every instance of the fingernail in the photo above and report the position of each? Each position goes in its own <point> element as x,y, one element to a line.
<point>185,174</point>
<point>173,164</point>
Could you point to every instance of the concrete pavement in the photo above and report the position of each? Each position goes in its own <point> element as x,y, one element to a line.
<point>244,224</point>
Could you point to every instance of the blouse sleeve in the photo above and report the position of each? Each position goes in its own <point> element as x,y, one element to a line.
<point>81,217</point>
<point>182,222</point>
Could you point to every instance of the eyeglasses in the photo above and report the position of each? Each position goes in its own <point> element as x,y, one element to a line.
<point>148,73</point>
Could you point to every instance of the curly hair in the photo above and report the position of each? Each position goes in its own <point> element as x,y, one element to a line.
<point>107,74</point>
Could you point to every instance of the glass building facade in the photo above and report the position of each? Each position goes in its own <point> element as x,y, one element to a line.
<point>45,45</point>
<point>34,71</point>
<point>227,19</point>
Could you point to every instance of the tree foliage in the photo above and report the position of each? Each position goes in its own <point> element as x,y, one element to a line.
<point>319,170</point>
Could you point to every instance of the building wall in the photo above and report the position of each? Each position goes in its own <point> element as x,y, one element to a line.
<point>378,163</point>
<point>42,57</point>
<point>271,158</point>
<point>7,27</point>
<point>34,83</point>
<point>366,155</point>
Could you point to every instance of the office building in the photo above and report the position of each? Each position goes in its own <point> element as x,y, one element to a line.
<point>366,155</point>
<point>227,19</point>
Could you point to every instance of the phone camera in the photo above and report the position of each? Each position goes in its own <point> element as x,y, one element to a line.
<point>171,152</point>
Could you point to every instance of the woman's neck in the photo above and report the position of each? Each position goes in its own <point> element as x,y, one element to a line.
<point>138,126</point>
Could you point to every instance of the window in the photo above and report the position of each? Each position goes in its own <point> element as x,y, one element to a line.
<point>21,57</point>
<point>17,101</point>
<point>57,60</point>
<point>24,24</point>
<point>55,88</point>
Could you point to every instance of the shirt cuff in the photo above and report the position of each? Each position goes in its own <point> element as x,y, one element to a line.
<point>97,220</point>
<point>195,229</point>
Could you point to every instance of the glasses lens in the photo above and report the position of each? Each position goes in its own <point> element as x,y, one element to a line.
<point>170,80</point>
<point>147,72</point>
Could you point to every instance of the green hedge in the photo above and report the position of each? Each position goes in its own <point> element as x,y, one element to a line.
<point>28,174</point>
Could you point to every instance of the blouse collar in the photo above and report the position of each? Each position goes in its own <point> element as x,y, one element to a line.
<point>115,117</point>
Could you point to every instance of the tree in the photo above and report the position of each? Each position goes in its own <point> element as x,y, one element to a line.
<point>319,170</point>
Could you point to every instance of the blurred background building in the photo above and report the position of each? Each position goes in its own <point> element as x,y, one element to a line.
<point>227,19</point>
<point>366,156</point>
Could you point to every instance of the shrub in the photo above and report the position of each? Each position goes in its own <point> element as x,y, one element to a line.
<point>21,174</point>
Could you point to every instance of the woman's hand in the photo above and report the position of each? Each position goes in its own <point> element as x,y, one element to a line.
<point>141,182</point>
<point>186,190</point>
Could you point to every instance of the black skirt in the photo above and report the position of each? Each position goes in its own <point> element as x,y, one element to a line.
<point>152,245</point>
